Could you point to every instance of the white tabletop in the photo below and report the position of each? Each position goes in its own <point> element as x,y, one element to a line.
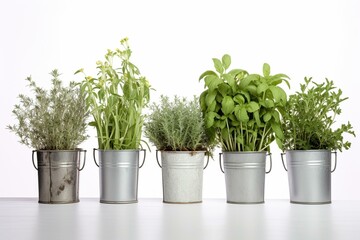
<point>24,218</point>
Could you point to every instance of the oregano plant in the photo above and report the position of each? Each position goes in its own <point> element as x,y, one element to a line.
<point>116,98</point>
<point>242,111</point>
<point>309,118</point>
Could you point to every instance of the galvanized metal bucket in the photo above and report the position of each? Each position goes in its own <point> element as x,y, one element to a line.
<point>309,174</point>
<point>119,173</point>
<point>58,175</point>
<point>182,176</point>
<point>245,176</point>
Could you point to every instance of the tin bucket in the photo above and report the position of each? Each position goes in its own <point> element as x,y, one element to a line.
<point>182,176</point>
<point>309,174</point>
<point>245,176</point>
<point>119,173</point>
<point>58,175</point>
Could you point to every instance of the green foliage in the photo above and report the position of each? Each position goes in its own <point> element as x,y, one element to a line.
<point>176,125</point>
<point>53,120</point>
<point>116,98</point>
<point>310,116</point>
<point>242,110</point>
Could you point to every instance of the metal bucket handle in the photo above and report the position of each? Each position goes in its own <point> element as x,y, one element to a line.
<point>144,157</point>
<point>84,151</point>
<point>95,149</point>
<point>335,161</point>
<point>282,159</point>
<point>269,154</point>
<point>157,160</point>
<point>33,162</point>
<point>221,168</point>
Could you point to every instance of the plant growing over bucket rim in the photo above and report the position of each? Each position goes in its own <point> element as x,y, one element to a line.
<point>116,98</point>
<point>242,111</point>
<point>309,118</point>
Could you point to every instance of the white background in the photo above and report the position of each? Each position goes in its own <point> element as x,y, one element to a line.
<point>173,43</point>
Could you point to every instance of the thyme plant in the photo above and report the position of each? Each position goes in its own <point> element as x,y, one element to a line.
<point>176,125</point>
<point>52,120</point>
<point>116,98</point>
<point>241,110</point>
<point>309,118</point>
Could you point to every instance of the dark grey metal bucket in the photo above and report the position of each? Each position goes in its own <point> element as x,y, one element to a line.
<point>182,176</point>
<point>245,176</point>
<point>58,175</point>
<point>119,173</point>
<point>309,174</point>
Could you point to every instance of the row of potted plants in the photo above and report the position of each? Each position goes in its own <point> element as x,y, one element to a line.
<point>243,113</point>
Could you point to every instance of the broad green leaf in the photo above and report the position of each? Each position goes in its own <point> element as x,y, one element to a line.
<point>251,88</point>
<point>211,107</point>
<point>202,100</point>
<point>266,70</point>
<point>252,106</point>
<point>210,98</point>
<point>246,95</point>
<point>269,103</point>
<point>257,119</point>
<point>224,89</point>
<point>226,61</point>
<point>262,88</point>
<point>218,65</point>
<point>247,80</point>
<point>236,72</point>
<point>242,115</point>
<point>230,80</point>
<point>227,105</point>
<point>267,117</point>
<point>239,99</point>
<point>212,82</point>
<point>209,119</point>
<point>278,93</point>
<point>207,73</point>
<point>277,130</point>
<point>220,124</point>
<point>276,116</point>
<point>225,133</point>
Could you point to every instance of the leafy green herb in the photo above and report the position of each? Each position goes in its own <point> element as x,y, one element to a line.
<point>242,110</point>
<point>116,98</point>
<point>53,120</point>
<point>310,116</point>
<point>176,125</point>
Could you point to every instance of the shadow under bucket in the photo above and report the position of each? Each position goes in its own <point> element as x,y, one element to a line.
<point>58,175</point>
<point>309,175</point>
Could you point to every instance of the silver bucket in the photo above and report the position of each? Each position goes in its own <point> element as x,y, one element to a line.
<point>182,176</point>
<point>309,174</point>
<point>119,173</point>
<point>58,175</point>
<point>245,176</point>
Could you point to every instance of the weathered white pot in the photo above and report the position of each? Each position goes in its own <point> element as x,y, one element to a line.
<point>245,176</point>
<point>182,176</point>
<point>309,174</point>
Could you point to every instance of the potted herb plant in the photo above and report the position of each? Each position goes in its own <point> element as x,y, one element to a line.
<point>242,113</point>
<point>310,138</point>
<point>177,129</point>
<point>54,123</point>
<point>116,98</point>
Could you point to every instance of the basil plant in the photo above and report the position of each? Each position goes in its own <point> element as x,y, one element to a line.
<point>242,111</point>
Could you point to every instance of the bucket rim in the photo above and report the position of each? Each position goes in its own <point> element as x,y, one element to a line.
<point>60,151</point>
<point>115,150</point>
<point>309,150</point>
<point>245,152</point>
<point>180,152</point>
